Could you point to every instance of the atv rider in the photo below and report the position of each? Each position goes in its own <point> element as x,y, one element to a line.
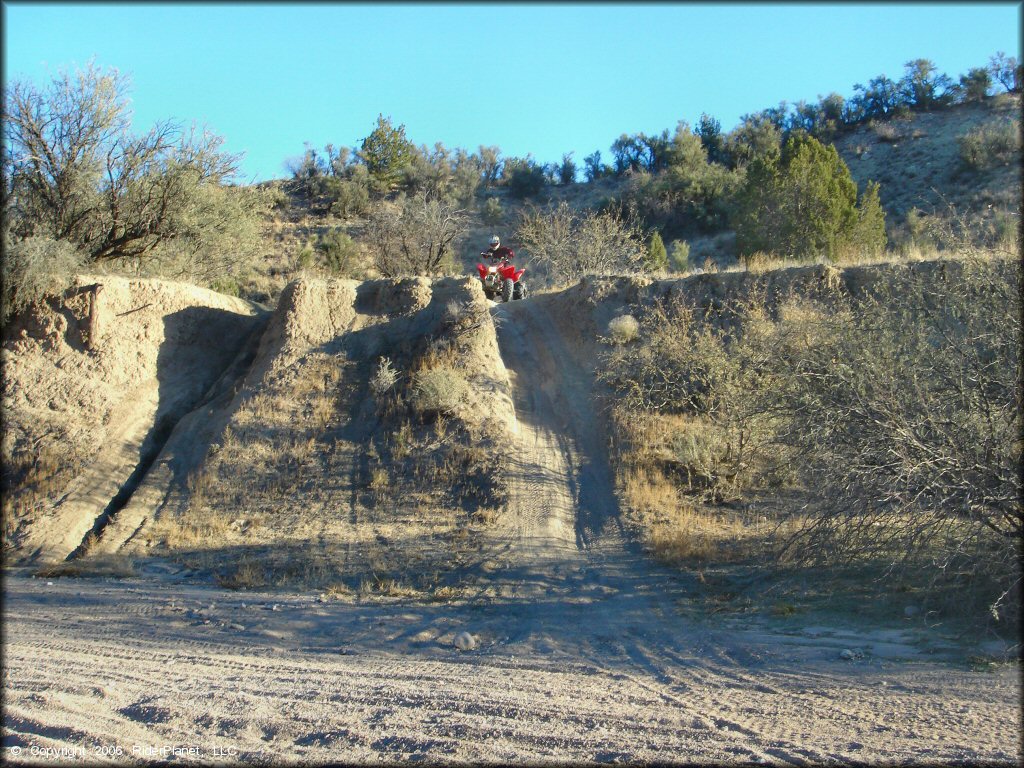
<point>501,277</point>
<point>499,251</point>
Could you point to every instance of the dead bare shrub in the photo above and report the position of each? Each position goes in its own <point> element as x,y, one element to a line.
<point>384,378</point>
<point>910,415</point>
<point>888,132</point>
<point>418,235</point>
<point>567,244</point>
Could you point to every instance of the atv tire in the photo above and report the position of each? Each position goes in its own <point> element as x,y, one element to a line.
<point>519,291</point>
<point>507,289</point>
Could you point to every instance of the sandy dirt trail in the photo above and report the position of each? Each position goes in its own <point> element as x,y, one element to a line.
<point>581,655</point>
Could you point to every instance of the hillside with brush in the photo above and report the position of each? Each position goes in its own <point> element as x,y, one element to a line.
<point>953,169</point>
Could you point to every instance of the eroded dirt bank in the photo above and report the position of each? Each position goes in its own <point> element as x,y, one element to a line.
<point>92,388</point>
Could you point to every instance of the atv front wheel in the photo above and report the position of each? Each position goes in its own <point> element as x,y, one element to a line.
<point>519,291</point>
<point>507,288</point>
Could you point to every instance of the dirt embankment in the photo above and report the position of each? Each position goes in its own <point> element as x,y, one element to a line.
<point>138,402</point>
<point>323,470</point>
<point>92,386</point>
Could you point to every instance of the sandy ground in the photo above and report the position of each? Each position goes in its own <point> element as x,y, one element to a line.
<point>590,665</point>
<point>582,652</point>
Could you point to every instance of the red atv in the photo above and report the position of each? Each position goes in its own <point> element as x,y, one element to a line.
<point>500,277</point>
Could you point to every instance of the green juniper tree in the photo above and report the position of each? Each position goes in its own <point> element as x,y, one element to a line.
<point>657,256</point>
<point>802,203</point>
<point>386,153</point>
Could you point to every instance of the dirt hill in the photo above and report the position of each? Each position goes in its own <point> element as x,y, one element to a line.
<point>400,429</point>
<point>92,387</point>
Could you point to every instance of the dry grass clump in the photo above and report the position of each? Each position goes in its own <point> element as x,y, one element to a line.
<point>246,574</point>
<point>890,133</point>
<point>679,529</point>
<point>439,391</point>
<point>382,586</point>
<point>690,537</point>
<point>204,521</point>
<point>338,591</point>
<point>196,527</point>
<point>33,479</point>
<point>623,329</point>
<point>279,439</point>
<point>445,593</point>
<point>444,462</point>
<point>759,262</point>
<point>290,565</point>
<point>997,142</point>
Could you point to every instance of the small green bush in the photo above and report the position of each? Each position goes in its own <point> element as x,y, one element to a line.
<point>226,285</point>
<point>35,268</point>
<point>680,256</point>
<point>657,256</point>
<point>350,196</point>
<point>278,199</point>
<point>339,253</point>
<point>493,213</point>
<point>305,257</point>
<point>917,226</point>
<point>702,448</point>
<point>523,177</point>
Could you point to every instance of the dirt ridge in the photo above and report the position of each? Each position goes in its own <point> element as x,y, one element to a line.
<point>96,381</point>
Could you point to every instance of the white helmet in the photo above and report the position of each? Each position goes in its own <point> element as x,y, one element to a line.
<point>495,241</point>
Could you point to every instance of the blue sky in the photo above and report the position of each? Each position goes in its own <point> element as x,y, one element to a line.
<point>530,78</point>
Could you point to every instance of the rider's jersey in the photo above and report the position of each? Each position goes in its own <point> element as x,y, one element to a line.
<point>501,252</point>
